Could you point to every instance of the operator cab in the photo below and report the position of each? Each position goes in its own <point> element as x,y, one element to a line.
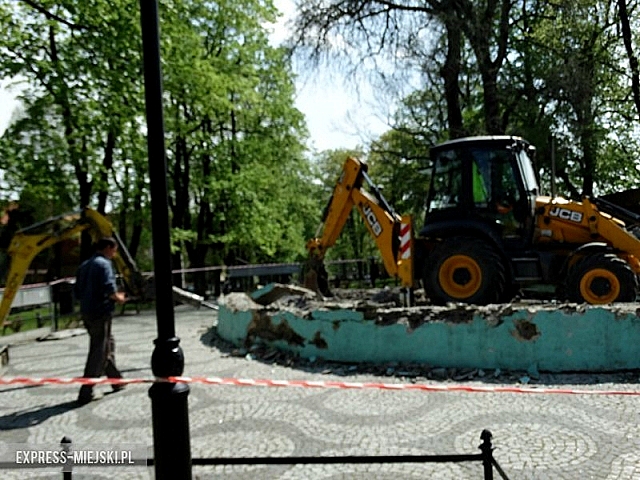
<point>486,183</point>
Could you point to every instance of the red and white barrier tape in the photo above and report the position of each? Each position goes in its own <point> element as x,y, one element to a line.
<point>247,382</point>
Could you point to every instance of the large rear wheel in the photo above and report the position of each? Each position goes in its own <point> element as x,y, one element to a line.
<point>600,279</point>
<point>466,270</point>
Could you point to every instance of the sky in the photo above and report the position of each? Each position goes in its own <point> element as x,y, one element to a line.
<point>7,104</point>
<point>339,114</point>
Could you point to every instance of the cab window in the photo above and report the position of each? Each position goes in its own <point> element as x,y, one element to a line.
<point>494,179</point>
<point>446,184</point>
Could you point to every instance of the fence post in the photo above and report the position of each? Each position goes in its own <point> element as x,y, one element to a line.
<point>487,454</point>
<point>373,271</point>
<point>67,469</point>
<point>217,285</point>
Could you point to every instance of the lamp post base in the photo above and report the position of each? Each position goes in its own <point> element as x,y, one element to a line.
<point>171,442</point>
<point>170,413</point>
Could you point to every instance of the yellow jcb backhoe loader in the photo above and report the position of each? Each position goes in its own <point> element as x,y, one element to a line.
<point>488,232</point>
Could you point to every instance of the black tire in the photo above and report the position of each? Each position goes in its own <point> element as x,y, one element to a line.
<point>465,270</point>
<point>600,279</point>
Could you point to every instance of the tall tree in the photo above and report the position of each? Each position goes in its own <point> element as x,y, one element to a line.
<point>81,65</point>
<point>579,49</point>
<point>627,37</point>
<point>234,135</point>
<point>74,56</point>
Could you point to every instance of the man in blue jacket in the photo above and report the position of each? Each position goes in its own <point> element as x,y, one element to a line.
<point>97,291</point>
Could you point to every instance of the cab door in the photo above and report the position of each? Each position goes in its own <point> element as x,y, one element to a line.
<point>498,193</point>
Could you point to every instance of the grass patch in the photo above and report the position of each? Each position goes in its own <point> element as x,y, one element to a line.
<point>39,317</point>
<point>32,318</point>
<point>24,320</point>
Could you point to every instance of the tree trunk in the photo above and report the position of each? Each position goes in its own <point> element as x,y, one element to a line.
<point>123,218</point>
<point>492,117</point>
<point>136,231</point>
<point>176,262</point>
<point>198,252</point>
<point>479,26</point>
<point>450,74</point>
<point>588,143</point>
<point>633,60</point>
<point>60,90</point>
<point>180,204</point>
<point>107,163</point>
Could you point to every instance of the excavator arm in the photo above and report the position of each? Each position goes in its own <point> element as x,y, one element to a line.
<point>391,232</point>
<point>27,243</point>
<point>100,227</point>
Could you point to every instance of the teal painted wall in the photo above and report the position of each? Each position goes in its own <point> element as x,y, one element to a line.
<point>588,339</point>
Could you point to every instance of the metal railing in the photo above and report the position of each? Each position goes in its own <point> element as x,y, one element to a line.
<point>485,456</point>
<point>222,279</point>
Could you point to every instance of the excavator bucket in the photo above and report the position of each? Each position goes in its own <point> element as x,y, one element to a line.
<point>316,277</point>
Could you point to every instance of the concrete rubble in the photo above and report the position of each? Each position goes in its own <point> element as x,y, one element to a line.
<point>384,306</point>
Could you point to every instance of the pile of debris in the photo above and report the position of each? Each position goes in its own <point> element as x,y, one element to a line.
<point>383,306</point>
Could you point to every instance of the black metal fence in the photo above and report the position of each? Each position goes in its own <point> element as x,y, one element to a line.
<point>485,456</point>
<point>213,281</point>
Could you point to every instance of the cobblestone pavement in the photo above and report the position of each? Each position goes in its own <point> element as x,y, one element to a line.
<point>536,436</point>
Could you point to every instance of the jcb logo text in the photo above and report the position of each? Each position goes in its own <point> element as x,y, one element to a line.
<point>565,214</point>
<point>376,228</point>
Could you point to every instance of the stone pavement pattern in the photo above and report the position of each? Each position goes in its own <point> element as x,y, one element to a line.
<point>536,436</point>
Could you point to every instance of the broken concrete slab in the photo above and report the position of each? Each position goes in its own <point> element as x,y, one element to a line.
<point>190,298</point>
<point>275,291</point>
<point>529,336</point>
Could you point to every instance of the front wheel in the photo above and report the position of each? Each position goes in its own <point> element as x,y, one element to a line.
<point>600,279</point>
<point>466,270</point>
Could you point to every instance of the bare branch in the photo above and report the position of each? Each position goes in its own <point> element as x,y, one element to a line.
<point>57,18</point>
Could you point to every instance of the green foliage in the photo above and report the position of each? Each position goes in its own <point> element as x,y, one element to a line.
<point>76,140</point>
<point>618,165</point>
<point>239,182</point>
<point>237,170</point>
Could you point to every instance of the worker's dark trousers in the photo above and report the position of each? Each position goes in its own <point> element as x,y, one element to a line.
<point>101,357</point>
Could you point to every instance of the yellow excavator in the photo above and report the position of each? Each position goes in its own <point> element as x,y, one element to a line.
<point>488,232</point>
<point>30,241</point>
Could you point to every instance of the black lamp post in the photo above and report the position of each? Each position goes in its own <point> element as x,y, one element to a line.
<point>169,405</point>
